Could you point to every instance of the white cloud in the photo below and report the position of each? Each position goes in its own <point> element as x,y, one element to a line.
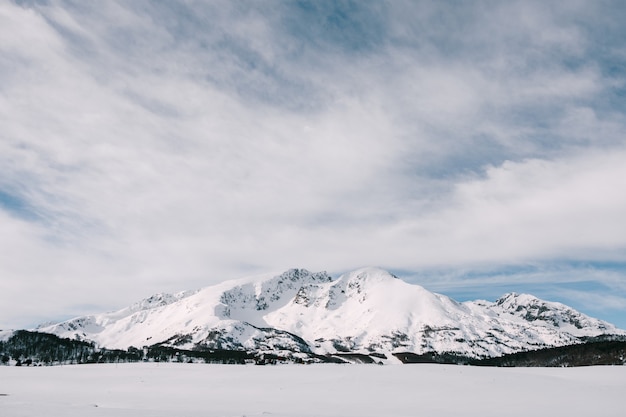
<point>170,150</point>
<point>531,210</point>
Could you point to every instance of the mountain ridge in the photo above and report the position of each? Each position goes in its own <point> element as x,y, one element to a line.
<point>367,311</point>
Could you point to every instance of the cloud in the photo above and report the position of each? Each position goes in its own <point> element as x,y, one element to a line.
<point>539,208</point>
<point>171,145</point>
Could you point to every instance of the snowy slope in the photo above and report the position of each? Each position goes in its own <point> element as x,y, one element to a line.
<point>365,311</point>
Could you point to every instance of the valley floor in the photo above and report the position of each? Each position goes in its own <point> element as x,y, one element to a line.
<point>166,389</point>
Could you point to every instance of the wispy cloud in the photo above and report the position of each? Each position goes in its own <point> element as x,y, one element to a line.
<point>174,144</point>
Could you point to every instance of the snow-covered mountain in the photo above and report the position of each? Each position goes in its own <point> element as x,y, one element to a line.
<point>368,311</point>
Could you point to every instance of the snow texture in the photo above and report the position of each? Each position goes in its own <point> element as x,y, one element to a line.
<point>159,390</point>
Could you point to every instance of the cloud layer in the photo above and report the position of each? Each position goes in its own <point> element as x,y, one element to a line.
<point>157,147</point>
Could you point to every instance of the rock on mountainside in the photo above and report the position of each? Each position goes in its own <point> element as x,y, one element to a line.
<point>367,311</point>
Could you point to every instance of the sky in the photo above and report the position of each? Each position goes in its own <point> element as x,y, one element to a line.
<point>473,148</point>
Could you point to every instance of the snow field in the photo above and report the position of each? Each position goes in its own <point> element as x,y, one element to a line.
<point>152,389</point>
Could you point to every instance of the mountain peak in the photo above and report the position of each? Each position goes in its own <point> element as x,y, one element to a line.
<point>515,299</point>
<point>370,275</point>
<point>532,309</point>
<point>245,301</point>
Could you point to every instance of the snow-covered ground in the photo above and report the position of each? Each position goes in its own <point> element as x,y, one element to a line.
<point>151,389</point>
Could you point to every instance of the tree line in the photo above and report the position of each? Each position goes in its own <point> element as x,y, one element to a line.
<point>26,348</point>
